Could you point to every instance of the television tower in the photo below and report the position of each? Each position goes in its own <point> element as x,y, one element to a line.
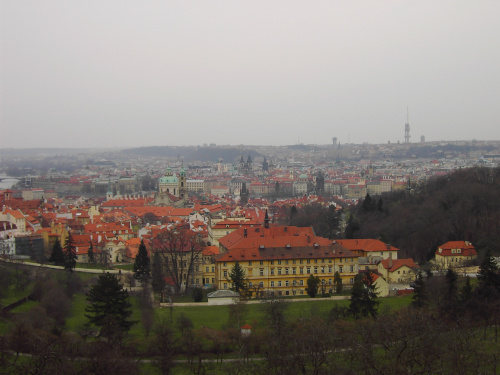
<point>407,126</point>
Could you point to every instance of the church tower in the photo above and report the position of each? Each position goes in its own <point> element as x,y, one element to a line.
<point>109,194</point>
<point>182,184</point>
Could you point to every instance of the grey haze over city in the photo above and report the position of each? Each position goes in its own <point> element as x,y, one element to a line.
<point>130,74</point>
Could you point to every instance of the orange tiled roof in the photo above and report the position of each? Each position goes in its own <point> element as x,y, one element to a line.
<point>466,248</point>
<point>397,263</point>
<point>367,245</point>
<point>277,253</point>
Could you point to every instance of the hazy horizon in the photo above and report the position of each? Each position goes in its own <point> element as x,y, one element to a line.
<point>126,74</point>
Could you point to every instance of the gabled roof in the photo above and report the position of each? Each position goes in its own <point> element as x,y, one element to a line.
<point>393,264</point>
<point>466,249</point>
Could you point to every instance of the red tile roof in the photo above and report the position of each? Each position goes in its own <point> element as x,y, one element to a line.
<point>397,263</point>
<point>466,249</point>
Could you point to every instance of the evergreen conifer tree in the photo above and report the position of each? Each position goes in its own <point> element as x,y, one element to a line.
<point>337,280</point>
<point>69,254</point>
<point>364,299</point>
<point>419,298</point>
<point>110,307</point>
<point>158,276</point>
<point>142,269</point>
<point>90,254</point>
<point>312,285</point>
<point>488,272</point>
<point>57,255</point>
<point>237,278</point>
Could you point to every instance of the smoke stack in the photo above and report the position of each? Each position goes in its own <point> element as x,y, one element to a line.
<point>390,260</point>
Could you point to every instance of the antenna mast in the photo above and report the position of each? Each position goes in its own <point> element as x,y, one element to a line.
<point>407,126</point>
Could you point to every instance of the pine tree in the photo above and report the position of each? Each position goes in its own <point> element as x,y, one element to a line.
<point>419,298</point>
<point>337,280</point>
<point>57,255</point>
<point>69,254</point>
<point>142,269</point>
<point>158,275</point>
<point>110,307</point>
<point>488,272</point>
<point>312,285</point>
<point>466,291</point>
<point>364,299</point>
<point>237,278</point>
<point>90,254</point>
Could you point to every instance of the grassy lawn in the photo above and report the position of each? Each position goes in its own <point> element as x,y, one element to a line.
<point>127,267</point>
<point>91,266</point>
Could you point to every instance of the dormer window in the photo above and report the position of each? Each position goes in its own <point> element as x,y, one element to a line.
<point>459,251</point>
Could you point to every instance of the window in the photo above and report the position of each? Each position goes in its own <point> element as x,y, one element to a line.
<point>308,261</point>
<point>197,281</point>
<point>453,251</point>
<point>279,271</point>
<point>272,262</point>
<point>272,271</point>
<point>301,282</point>
<point>225,273</point>
<point>294,283</point>
<point>213,280</point>
<point>197,268</point>
<point>399,272</point>
<point>279,261</point>
<point>272,284</point>
<point>286,283</point>
<point>261,272</point>
<point>206,268</point>
<point>286,271</point>
<point>293,261</point>
<point>300,261</point>
<point>286,261</point>
<point>329,281</point>
<point>225,264</point>
<point>213,269</point>
<point>381,253</point>
<point>308,270</point>
<point>261,262</point>
<point>459,251</point>
<point>315,269</point>
<point>315,261</point>
<point>301,292</point>
<point>225,285</point>
<point>250,263</point>
<point>329,268</point>
<point>340,268</point>
<point>322,261</point>
<point>329,261</point>
<point>301,270</point>
<point>294,270</point>
<point>351,280</point>
<point>279,283</point>
<point>351,268</point>
<point>261,284</point>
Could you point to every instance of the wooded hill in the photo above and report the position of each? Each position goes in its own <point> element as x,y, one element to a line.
<point>464,205</point>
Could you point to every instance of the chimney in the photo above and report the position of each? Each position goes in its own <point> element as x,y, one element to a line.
<point>390,260</point>
<point>245,233</point>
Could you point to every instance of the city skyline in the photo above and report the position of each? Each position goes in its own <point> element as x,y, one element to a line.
<point>118,74</point>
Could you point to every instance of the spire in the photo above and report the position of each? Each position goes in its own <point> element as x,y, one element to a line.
<point>266,220</point>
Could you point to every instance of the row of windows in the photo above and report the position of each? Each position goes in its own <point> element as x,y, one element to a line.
<point>301,270</point>
<point>300,261</point>
<point>288,284</point>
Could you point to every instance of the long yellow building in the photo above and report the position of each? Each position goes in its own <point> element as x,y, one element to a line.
<point>285,270</point>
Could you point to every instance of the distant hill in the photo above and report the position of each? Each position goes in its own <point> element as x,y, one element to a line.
<point>464,205</point>
<point>192,154</point>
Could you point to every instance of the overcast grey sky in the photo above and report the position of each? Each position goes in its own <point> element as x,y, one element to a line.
<point>140,73</point>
